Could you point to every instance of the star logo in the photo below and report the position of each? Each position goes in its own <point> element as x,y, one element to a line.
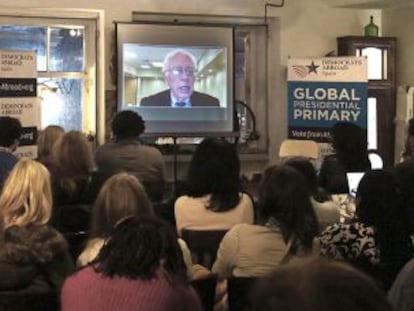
<point>312,68</point>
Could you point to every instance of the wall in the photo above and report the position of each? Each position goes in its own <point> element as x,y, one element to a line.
<point>302,28</point>
<point>400,23</point>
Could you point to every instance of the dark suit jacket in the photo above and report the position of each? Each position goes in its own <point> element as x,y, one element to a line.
<point>197,99</point>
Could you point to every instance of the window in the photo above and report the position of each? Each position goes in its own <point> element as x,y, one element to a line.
<point>66,65</point>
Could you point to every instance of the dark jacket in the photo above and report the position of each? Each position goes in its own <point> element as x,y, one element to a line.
<point>7,161</point>
<point>33,257</point>
<point>163,98</point>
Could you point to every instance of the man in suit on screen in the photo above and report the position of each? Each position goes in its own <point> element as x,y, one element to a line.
<point>179,73</point>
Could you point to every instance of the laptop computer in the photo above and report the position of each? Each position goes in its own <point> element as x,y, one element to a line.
<point>353,179</point>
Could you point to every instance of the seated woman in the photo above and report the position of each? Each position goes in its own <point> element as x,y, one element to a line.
<point>122,195</point>
<point>74,166</point>
<point>378,234</point>
<point>75,183</point>
<point>287,226</point>
<point>214,199</point>
<point>45,142</point>
<point>349,143</point>
<point>33,255</point>
<point>327,211</point>
<point>139,268</point>
<point>318,284</point>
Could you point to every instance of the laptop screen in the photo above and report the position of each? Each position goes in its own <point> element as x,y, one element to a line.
<point>353,181</point>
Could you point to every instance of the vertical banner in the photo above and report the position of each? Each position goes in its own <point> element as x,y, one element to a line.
<point>323,91</point>
<point>18,88</point>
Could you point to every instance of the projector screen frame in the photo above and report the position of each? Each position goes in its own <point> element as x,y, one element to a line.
<point>230,128</point>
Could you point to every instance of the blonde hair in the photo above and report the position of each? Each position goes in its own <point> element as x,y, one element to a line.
<point>73,159</point>
<point>47,139</point>
<point>122,195</point>
<point>27,196</point>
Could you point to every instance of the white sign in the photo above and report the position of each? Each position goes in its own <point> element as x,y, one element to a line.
<point>17,64</point>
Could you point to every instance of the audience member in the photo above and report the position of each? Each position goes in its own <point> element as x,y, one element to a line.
<point>122,195</point>
<point>214,199</point>
<point>33,255</point>
<point>318,284</point>
<point>350,146</point>
<point>126,153</point>
<point>45,142</point>
<point>10,130</point>
<point>73,161</point>
<point>75,183</point>
<point>401,294</point>
<point>139,268</point>
<point>379,232</point>
<point>404,173</point>
<point>327,211</point>
<point>287,226</point>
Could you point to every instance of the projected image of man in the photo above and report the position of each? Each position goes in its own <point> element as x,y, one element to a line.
<point>179,73</point>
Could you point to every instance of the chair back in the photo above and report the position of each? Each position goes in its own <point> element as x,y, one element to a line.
<point>299,148</point>
<point>203,245</point>
<point>23,300</point>
<point>239,290</point>
<point>206,290</point>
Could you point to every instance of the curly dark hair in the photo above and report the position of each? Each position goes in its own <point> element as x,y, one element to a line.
<point>127,124</point>
<point>285,196</point>
<point>215,170</point>
<point>138,247</point>
<point>350,144</point>
<point>10,131</point>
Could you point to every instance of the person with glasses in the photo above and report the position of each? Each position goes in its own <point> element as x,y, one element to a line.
<point>179,73</point>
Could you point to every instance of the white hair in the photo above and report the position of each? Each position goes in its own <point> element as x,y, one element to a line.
<point>173,53</point>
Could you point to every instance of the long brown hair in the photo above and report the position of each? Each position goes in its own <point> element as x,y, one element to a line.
<point>121,196</point>
<point>73,159</point>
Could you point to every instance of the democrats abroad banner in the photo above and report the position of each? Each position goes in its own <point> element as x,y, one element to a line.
<point>323,91</point>
<point>18,90</point>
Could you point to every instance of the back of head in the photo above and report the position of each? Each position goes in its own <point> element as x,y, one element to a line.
<point>10,130</point>
<point>378,197</point>
<point>138,247</point>
<point>122,195</point>
<point>127,124</point>
<point>318,284</point>
<point>26,197</point>
<point>306,168</point>
<point>379,204</point>
<point>285,196</point>
<point>404,173</point>
<point>350,144</point>
<point>215,169</point>
<point>47,139</point>
<point>72,155</point>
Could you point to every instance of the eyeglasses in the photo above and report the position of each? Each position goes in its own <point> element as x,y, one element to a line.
<point>180,71</point>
